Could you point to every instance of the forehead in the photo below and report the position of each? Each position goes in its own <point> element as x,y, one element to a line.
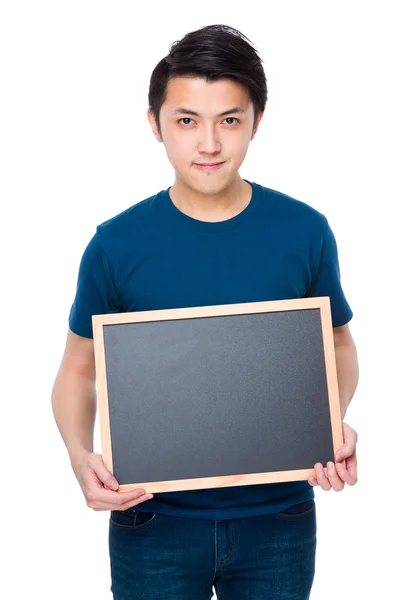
<point>207,97</point>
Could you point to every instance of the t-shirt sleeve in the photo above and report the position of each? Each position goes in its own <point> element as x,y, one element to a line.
<point>327,280</point>
<point>95,292</point>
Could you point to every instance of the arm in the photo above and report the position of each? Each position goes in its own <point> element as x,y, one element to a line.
<point>74,397</point>
<point>347,366</point>
<point>74,409</point>
<point>347,374</point>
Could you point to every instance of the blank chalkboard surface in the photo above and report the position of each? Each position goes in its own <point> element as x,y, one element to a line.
<point>216,396</point>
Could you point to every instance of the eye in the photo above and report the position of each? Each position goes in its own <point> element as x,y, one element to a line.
<point>235,119</point>
<point>184,119</point>
<point>188,119</point>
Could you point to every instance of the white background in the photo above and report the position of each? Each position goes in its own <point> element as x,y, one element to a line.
<point>77,148</point>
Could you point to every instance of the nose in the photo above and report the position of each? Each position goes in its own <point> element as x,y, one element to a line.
<point>209,142</point>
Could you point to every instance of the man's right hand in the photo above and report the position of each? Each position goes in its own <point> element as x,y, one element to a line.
<point>92,475</point>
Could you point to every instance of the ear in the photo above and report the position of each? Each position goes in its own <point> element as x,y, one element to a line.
<point>256,125</point>
<point>153,125</point>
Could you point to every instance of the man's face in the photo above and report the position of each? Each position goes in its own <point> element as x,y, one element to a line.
<point>206,137</point>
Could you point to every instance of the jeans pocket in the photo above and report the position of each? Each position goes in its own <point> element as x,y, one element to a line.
<point>297,511</point>
<point>131,519</point>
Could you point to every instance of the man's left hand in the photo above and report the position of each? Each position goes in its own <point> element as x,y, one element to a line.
<point>338,475</point>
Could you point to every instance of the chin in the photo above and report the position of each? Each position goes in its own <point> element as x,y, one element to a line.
<point>209,187</point>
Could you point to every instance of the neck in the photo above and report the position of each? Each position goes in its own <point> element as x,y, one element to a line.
<point>219,206</point>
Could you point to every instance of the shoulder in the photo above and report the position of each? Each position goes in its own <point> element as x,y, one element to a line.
<point>292,211</point>
<point>127,218</point>
<point>114,233</point>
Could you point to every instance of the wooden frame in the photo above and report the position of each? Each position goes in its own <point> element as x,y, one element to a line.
<point>322,303</point>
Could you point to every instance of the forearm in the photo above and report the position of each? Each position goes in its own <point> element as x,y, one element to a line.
<point>74,409</point>
<point>347,374</point>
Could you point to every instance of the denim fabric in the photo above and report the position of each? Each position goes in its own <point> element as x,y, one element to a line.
<point>163,557</point>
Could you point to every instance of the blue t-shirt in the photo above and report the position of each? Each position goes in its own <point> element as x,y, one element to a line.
<point>153,256</point>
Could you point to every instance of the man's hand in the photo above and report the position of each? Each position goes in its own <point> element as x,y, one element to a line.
<point>338,476</point>
<point>92,475</point>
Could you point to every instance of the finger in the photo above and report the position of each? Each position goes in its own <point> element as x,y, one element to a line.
<point>351,465</point>
<point>321,478</point>
<point>313,481</point>
<point>345,451</point>
<point>96,464</point>
<point>350,442</point>
<point>96,493</point>
<point>124,505</point>
<point>336,483</point>
<point>122,497</point>
<point>140,501</point>
<point>349,473</point>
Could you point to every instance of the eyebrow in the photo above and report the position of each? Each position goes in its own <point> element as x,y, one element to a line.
<point>230,111</point>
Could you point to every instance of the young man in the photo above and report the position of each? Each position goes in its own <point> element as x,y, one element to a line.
<point>210,238</point>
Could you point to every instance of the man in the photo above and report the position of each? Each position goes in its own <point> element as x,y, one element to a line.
<point>210,238</point>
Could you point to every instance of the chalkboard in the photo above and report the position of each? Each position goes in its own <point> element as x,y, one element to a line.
<point>215,396</point>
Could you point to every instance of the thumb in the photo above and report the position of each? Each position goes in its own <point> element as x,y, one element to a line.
<point>103,473</point>
<point>350,442</point>
<point>343,453</point>
<point>111,481</point>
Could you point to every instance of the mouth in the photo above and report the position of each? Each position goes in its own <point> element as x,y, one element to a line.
<point>209,166</point>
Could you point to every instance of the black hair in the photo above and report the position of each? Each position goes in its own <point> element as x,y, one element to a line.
<point>212,52</point>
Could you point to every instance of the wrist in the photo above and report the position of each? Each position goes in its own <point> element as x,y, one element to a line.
<point>78,456</point>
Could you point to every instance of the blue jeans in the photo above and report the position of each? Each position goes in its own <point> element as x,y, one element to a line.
<point>161,557</point>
